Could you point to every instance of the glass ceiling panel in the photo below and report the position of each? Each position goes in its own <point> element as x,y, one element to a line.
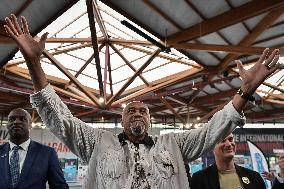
<point>163,71</point>
<point>74,23</point>
<point>87,81</point>
<point>91,70</point>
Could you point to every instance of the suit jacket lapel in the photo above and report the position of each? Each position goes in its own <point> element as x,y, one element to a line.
<point>244,178</point>
<point>31,154</point>
<point>213,177</point>
<point>4,163</point>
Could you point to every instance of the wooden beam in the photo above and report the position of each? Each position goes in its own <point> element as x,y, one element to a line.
<point>100,20</point>
<point>267,21</point>
<point>280,102</point>
<point>198,85</point>
<point>178,60</point>
<point>71,77</point>
<point>271,95</point>
<point>145,90</point>
<point>49,78</point>
<point>138,72</point>
<point>65,50</point>
<point>156,82</point>
<point>107,62</point>
<point>276,114</point>
<point>201,15</point>
<point>273,87</point>
<point>210,114</point>
<point>62,91</point>
<point>90,11</point>
<point>223,48</point>
<point>177,99</point>
<point>130,42</point>
<point>212,98</point>
<point>85,65</point>
<point>10,97</point>
<point>161,13</point>
<point>168,105</point>
<point>128,63</point>
<point>226,19</point>
<point>72,40</point>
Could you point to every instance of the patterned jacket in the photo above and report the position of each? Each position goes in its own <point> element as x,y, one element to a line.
<point>114,165</point>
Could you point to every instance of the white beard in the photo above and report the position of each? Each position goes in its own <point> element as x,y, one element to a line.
<point>137,127</point>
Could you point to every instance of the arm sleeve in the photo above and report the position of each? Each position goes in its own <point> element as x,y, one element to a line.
<point>55,176</point>
<point>197,142</point>
<point>80,138</point>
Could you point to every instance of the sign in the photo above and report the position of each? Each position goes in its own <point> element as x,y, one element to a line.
<point>266,139</point>
<point>45,137</point>
<point>259,162</point>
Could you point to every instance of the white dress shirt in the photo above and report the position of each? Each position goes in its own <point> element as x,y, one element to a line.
<point>280,179</point>
<point>22,151</point>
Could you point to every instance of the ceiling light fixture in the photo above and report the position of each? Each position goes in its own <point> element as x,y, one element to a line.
<point>101,100</point>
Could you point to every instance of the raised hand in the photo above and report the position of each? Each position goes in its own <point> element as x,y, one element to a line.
<point>30,48</point>
<point>256,75</point>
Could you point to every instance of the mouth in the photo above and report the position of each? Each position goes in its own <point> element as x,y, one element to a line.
<point>137,127</point>
<point>16,129</point>
<point>228,150</point>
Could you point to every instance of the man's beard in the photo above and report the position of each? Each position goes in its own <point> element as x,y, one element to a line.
<point>137,127</point>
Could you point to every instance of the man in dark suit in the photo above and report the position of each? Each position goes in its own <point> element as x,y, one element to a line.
<point>225,174</point>
<point>24,163</point>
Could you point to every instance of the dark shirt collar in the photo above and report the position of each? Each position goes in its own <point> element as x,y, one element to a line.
<point>147,141</point>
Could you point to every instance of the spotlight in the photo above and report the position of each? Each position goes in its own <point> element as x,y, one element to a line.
<point>101,100</point>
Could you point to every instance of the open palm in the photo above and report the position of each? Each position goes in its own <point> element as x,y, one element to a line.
<point>29,47</point>
<point>264,67</point>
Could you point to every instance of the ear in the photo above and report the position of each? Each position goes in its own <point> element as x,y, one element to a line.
<point>30,126</point>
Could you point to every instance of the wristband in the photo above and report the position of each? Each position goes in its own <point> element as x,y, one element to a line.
<point>246,96</point>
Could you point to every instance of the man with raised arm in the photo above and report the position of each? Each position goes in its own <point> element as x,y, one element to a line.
<point>133,159</point>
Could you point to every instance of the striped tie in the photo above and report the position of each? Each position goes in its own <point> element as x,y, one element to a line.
<point>15,166</point>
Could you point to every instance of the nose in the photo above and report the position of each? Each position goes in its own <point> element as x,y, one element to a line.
<point>137,114</point>
<point>227,143</point>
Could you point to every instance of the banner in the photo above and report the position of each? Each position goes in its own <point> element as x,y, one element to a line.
<point>259,162</point>
<point>266,139</point>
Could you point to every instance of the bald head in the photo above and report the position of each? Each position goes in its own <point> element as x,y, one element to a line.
<point>23,111</point>
<point>19,125</point>
<point>133,103</point>
<point>135,120</point>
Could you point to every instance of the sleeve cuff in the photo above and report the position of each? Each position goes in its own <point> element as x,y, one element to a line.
<point>37,98</point>
<point>238,118</point>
